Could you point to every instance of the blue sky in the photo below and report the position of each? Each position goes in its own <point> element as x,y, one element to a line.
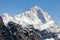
<point>13,7</point>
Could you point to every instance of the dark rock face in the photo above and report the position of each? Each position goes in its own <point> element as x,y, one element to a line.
<point>1,21</point>
<point>4,32</point>
<point>32,34</point>
<point>45,34</point>
<point>2,26</point>
<point>22,34</point>
<point>17,31</point>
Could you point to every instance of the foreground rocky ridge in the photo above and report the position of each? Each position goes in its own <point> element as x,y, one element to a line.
<point>14,31</point>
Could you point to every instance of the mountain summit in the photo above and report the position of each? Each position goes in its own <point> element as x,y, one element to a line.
<point>34,16</point>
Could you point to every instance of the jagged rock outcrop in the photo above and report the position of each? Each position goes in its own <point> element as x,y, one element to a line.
<point>13,31</point>
<point>45,34</point>
<point>1,27</point>
<point>28,34</point>
<point>4,32</point>
<point>32,34</point>
<point>17,31</point>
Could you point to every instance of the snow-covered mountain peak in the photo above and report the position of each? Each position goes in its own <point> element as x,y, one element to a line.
<point>36,8</point>
<point>35,16</point>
